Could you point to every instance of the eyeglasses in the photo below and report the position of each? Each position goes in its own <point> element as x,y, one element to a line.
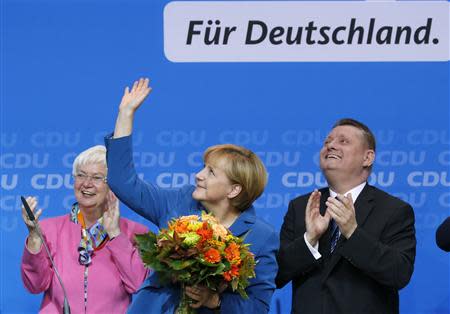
<point>83,177</point>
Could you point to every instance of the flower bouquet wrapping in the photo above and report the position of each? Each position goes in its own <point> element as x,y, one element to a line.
<point>196,250</point>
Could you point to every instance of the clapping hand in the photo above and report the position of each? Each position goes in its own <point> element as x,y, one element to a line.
<point>111,216</point>
<point>342,211</point>
<point>316,224</point>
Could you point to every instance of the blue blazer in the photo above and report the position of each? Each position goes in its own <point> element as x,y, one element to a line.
<point>161,205</point>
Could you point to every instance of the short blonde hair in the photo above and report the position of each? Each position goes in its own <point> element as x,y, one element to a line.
<point>243,167</point>
<point>93,155</point>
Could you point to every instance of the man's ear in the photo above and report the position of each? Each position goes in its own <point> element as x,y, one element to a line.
<point>369,158</point>
<point>235,190</point>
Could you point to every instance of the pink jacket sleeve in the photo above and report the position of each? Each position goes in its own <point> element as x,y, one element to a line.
<point>36,270</point>
<point>126,256</point>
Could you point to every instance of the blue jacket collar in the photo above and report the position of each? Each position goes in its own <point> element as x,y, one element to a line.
<point>244,222</point>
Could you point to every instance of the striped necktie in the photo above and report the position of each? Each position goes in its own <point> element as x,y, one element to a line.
<point>335,234</point>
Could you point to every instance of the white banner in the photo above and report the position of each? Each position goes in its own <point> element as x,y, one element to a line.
<point>273,31</point>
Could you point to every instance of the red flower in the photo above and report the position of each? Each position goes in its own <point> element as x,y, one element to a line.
<point>212,256</point>
<point>233,272</point>
<point>205,232</point>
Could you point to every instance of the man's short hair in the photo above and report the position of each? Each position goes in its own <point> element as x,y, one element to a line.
<point>367,133</point>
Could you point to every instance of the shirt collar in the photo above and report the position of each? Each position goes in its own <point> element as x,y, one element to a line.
<point>354,192</point>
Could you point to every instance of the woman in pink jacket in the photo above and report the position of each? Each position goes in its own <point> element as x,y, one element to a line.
<point>93,248</point>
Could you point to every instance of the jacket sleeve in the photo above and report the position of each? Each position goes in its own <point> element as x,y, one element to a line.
<point>294,257</point>
<point>443,235</point>
<point>126,257</point>
<point>261,287</point>
<point>36,269</point>
<point>389,260</point>
<point>146,199</point>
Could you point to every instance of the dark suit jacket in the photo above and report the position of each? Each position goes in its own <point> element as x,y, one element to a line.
<point>365,272</point>
<point>443,235</point>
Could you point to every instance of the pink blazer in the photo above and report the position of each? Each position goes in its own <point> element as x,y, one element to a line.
<point>115,273</point>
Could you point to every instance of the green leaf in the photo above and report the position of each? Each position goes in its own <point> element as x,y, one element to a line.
<point>234,284</point>
<point>146,241</point>
<point>206,263</point>
<point>180,264</point>
<point>219,269</point>
<point>209,272</point>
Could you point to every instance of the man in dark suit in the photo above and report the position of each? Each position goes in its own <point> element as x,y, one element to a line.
<point>350,247</point>
<point>443,235</point>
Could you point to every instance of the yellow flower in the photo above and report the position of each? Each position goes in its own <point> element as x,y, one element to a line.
<point>194,225</point>
<point>229,238</point>
<point>215,243</point>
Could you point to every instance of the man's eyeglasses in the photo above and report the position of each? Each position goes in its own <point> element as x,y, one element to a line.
<point>83,177</point>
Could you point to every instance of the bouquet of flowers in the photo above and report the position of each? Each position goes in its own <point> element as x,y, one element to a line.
<point>198,250</point>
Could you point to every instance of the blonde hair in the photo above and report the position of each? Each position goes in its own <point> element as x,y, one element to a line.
<point>93,155</point>
<point>243,167</point>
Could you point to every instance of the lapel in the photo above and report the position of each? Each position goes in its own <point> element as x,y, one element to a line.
<point>324,241</point>
<point>363,206</point>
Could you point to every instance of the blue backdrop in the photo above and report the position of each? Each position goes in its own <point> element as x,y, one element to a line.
<point>64,65</point>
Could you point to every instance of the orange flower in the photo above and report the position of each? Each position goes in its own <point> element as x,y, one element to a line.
<point>180,227</point>
<point>205,232</point>
<point>212,256</point>
<point>232,253</point>
<point>233,272</point>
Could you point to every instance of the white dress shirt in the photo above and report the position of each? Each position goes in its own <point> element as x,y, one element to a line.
<point>355,193</point>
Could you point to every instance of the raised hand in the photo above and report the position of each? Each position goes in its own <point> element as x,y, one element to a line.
<point>34,241</point>
<point>32,201</point>
<point>342,211</point>
<point>111,216</point>
<point>131,101</point>
<point>316,224</point>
